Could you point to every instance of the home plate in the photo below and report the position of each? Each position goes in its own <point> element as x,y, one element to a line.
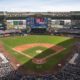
<point>18,65</point>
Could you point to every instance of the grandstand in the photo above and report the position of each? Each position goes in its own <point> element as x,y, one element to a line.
<point>53,20</point>
<point>70,71</point>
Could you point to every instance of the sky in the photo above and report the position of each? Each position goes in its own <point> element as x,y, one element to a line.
<point>39,5</point>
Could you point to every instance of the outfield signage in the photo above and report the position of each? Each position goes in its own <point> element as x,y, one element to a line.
<point>16,24</point>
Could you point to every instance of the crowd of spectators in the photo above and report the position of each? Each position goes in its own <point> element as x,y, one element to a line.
<point>6,33</point>
<point>66,30</point>
<point>68,72</point>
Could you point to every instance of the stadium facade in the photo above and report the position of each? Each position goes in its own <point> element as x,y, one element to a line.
<point>40,21</point>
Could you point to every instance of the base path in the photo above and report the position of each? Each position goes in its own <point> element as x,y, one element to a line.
<point>47,45</point>
<point>12,60</point>
<point>22,48</point>
<point>23,54</point>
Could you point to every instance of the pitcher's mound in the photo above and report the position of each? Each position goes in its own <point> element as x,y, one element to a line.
<point>39,60</point>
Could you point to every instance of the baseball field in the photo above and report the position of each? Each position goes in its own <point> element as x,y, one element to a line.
<point>37,53</point>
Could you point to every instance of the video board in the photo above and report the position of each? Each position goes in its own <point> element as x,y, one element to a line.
<point>38,22</point>
<point>2,26</point>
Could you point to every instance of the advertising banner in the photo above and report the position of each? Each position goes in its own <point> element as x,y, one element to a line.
<point>16,24</point>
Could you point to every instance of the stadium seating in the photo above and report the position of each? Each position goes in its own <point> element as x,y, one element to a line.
<point>68,72</point>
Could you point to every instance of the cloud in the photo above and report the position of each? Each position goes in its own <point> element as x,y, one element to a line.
<point>39,5</point>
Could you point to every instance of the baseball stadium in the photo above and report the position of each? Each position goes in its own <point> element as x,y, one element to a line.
<point>40,45</point>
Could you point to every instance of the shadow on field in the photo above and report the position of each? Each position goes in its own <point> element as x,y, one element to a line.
<point>31,69</point>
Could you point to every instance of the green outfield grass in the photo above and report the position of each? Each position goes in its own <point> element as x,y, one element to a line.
<point>33,39</point>
<point>11,42</point>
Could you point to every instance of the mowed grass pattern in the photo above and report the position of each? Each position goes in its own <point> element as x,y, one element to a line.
<point>16,41</point>
<point>11,42</point>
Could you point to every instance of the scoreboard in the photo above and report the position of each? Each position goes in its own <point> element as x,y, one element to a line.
<point>2,26</point>
<point>38,22</point>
